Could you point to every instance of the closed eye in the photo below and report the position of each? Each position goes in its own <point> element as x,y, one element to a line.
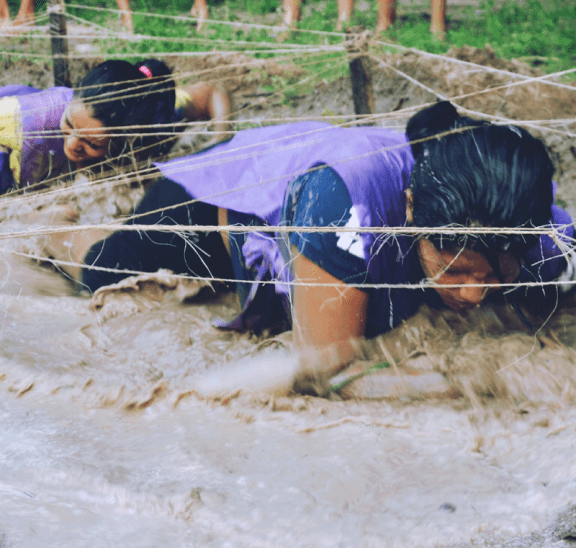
<point>93,146</point>
<point>66,126</point>
<point>67,130</point>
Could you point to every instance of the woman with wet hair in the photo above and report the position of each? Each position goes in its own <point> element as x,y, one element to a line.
<point>447,171</point>
<point>48,133</point>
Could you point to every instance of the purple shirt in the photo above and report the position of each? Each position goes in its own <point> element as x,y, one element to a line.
<point>41,147</point>
<point>250,173</point>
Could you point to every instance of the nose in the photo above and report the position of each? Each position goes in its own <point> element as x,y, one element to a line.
<point>74,143</point>
<point>472,294</point>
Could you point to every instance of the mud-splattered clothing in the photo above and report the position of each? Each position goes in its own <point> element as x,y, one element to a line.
<point>30,135</point>
<point>263,173</point>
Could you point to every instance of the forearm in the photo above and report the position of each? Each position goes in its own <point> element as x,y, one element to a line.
<point>328,327</point>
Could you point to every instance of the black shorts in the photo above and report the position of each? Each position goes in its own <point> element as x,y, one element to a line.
<point>198,254</point>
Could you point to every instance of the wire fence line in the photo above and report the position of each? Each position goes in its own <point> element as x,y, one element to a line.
<point>240,153</point>
<point>304,55</point>
<point>426,283</point>
<point>553,231</point>
<point>343,36</point>
<point>141,89</point>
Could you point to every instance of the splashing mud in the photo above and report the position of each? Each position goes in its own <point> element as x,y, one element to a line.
<point>149,427</point>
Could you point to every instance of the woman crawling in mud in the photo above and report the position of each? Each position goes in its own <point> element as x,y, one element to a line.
<point>45,134</point>
<point>456,172</point>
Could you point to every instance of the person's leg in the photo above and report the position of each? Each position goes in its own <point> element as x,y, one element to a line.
<point>4,14</point>
<point>200,254</point>
<point>291,10</point>
<point>200,11</point>
<point>25,13</point>
<point>438,18</point>
<point>345,8</point>
<point>126,14</point>
<point>386,14</point>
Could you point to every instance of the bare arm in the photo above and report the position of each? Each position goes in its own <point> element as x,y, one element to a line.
<point>328,321</point>
<point>208,102</point>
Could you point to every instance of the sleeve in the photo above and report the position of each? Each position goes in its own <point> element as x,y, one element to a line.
<point>320,198</point>
<point>183,103</point>
<point>554,259</point>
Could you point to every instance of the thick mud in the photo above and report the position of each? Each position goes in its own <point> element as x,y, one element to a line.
<point>127,419</point>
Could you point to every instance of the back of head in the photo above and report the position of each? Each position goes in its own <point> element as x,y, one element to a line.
<point>121,94</point>
<point>474,173</point>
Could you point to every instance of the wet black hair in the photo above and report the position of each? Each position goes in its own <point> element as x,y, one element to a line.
<point>482,175</point>
<point>119,94</point>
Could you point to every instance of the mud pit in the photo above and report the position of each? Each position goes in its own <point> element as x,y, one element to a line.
<point>123,422</point>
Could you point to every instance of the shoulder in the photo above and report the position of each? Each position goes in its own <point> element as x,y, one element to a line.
<point>51,99</point>
<point>377,173</point>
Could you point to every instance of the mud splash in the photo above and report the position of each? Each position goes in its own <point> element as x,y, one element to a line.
<point>109,437</point>
<point>129,420</point>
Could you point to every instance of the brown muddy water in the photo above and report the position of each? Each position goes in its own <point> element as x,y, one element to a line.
<point>128,420</point>
<point>137,423</point>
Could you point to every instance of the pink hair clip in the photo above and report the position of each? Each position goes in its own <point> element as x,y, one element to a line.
<point>145,71</point>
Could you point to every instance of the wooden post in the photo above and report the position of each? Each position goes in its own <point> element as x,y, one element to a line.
<point>59,42</point>
<point>360,73</point>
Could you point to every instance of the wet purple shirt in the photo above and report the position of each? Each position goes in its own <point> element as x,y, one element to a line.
<point>250,173</point>
<point>42,143</point>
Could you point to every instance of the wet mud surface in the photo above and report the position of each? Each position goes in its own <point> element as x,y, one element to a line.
<point>127,419</point>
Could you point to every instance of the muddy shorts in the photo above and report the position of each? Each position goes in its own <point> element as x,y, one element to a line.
<point>198,254</point>
<point>320,198</point>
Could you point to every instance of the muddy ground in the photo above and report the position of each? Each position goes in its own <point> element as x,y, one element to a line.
<point>484,457</point>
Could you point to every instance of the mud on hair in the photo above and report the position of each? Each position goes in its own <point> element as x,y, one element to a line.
<point>483,175</point>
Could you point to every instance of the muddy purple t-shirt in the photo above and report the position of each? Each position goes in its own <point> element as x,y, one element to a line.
<point>250,174</point>
<point>37,142</point>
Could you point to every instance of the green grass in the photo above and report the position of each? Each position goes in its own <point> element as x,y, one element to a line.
<point>541,32</point>
<point>374,369</point>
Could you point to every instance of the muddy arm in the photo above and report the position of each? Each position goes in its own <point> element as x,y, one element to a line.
<point>329,322</point>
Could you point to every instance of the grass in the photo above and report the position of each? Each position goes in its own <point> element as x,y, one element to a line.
<point>540,32</point>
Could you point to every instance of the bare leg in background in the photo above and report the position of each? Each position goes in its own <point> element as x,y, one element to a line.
<point>200,11</point>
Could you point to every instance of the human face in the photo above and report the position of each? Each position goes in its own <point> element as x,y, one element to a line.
<point>85,138</point>
<point>465,267</point>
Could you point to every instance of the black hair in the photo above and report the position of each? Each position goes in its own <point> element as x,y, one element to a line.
<point>119,94</point>
<point>479,174</point>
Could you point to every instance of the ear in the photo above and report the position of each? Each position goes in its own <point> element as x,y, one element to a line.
<point>409,206</point>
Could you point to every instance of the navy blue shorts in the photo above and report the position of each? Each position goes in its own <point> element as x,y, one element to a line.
<point>320,198</point>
